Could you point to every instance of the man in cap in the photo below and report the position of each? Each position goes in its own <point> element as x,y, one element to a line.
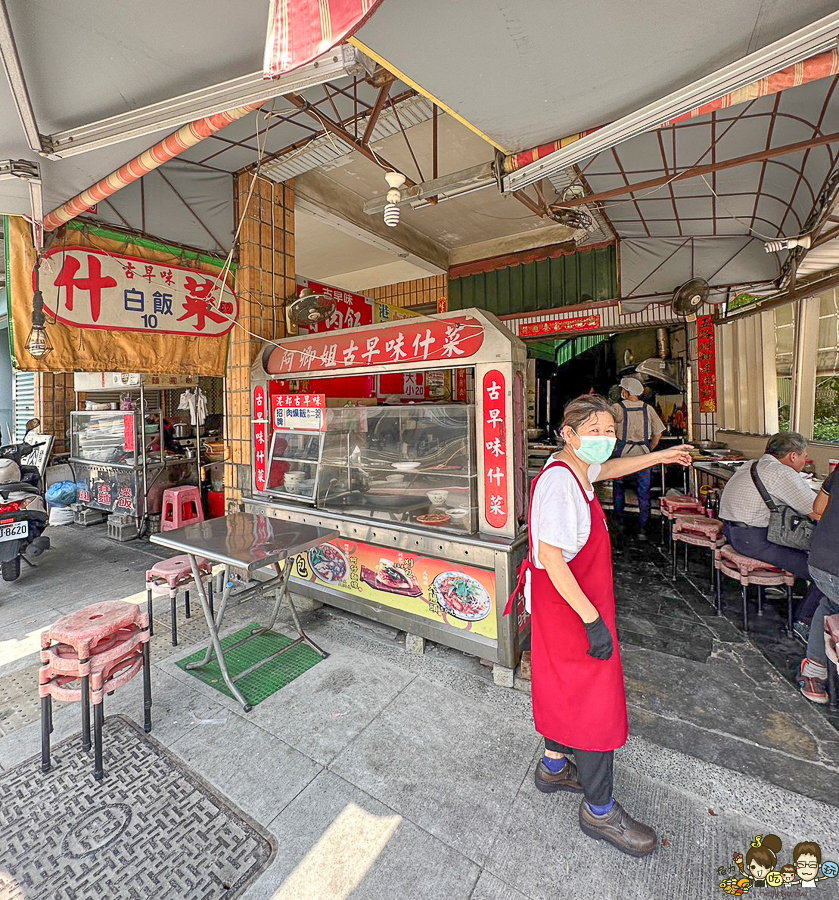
<point>639,431</point>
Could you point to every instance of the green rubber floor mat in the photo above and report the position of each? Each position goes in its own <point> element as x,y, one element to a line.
<point>267,679</point>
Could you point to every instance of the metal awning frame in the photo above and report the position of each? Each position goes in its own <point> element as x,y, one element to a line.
<point>815,38</point>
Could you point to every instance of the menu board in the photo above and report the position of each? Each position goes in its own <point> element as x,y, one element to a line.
<point>462,597</point>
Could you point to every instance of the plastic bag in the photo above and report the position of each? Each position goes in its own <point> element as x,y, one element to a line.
<point>62,493</point>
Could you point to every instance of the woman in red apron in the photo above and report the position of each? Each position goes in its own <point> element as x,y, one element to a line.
<point>579,698</point>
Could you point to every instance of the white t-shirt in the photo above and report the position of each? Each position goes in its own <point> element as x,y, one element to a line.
<point>559,515</point>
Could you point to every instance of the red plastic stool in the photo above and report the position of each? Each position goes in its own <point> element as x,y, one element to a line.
<point>677,504</point>
<point>749,571</point>
<point>173,575</point>
<point>102,647</point>
<point>181,506</point>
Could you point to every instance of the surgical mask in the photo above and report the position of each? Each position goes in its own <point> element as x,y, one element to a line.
<point>595,448</point>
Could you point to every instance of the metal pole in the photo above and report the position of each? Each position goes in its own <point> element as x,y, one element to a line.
<point>198,448</point>
<point>145,516</point>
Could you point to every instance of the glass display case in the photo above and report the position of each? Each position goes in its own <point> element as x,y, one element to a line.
<point>112,437</point>
<point>410,463</point>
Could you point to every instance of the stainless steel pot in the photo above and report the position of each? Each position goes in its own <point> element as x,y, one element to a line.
<point>181,430</point>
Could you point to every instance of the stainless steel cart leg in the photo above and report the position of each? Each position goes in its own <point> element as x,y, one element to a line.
<point>215,643</point>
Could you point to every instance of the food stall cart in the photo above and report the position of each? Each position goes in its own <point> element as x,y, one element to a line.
<point>428,499</point>
<point>111,453</point>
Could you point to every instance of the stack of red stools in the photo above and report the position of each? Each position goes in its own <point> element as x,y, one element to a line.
<point>90,653</point>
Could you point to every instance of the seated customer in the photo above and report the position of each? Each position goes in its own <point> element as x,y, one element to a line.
<point>824,568</point>
<point>746,516</point>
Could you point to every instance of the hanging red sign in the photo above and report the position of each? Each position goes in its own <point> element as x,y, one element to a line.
<point>128,431</point>
<point>707,363</point>
<point>560,326</point>
<point>494,431</point>
<point>351,310</point>
<point>87,288</point>
<point>260,437</point>
<point>404,341</point>
<point>461,382</point>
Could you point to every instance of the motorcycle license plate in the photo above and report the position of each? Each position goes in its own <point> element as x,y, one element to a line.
<point>14,532</point>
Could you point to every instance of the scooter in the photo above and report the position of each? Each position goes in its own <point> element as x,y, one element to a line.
<point>23,510</point>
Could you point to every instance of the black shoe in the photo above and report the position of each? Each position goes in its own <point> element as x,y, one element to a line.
<point>566,780</point>
<point>800,631</point>
<point>619,829</point>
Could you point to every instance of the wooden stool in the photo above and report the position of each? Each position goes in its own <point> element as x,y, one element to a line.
<point>748,571</point>
<point>831,646</point>
<point>170,576</point>
<point>697,531</point>
<point>88,654</point>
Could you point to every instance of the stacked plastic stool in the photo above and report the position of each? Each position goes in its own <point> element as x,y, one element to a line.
<point>748,571</point>
<point>86,655</point>
<point>181,507</point>
<point>697,531</point>
<point>170,576</point>
<point>678,504</point>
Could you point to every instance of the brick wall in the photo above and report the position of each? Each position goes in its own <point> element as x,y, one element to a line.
<point>411,293</point>
<point>265,277</point>
<point>54,401</point>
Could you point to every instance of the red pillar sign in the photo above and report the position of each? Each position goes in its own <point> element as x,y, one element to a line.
<point>494,430</point>
<point>260,438</point>
<point>707,363</point>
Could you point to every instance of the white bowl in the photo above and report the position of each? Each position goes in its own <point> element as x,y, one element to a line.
<point>406,465</point>
<point>437,497</point>
<point>395,479</point>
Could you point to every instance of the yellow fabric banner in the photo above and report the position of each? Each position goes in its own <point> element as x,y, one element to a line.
<point>95,332</point>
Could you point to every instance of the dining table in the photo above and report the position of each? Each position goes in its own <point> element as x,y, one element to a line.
<point>251,544</point>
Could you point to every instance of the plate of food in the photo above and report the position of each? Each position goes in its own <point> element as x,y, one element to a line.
<point>462,596</point>
<point>390,578</point>
<point>434,519</point>
<point>329,563</point>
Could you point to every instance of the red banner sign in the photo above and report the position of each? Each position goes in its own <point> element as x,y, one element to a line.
<point>260,438</point>
<point>560,326</point>
<point>496,490</point>
<point>403,342</point>
<point>88,288</point>
<point>707,363</point>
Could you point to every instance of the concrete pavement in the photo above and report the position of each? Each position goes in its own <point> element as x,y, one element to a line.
<point>384,774</point>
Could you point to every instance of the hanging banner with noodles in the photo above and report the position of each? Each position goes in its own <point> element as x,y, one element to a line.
<point>119,304</point>
<point>301,30</point>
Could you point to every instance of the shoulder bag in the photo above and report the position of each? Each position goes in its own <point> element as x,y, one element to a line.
<point>787,526</point>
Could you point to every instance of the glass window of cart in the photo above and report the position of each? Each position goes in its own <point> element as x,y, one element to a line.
<point>410,463</point>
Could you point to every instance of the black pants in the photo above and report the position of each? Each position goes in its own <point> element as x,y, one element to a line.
<point>751,541</point>
<point>594,770</point>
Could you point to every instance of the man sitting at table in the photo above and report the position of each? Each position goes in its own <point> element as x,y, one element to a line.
<point>746,516</point>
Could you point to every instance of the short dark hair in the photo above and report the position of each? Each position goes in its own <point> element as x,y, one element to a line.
<point>582,408</point>
<point>788,869</point>
<point>809,847</point>
<point>784,442</point>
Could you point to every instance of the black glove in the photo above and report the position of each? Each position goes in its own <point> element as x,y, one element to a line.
<point>600,641</point>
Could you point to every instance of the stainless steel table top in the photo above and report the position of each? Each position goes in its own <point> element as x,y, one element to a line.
<point>244,540</point>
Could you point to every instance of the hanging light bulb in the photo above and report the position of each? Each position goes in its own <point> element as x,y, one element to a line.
<point>38,343</point>
<point>395,180</point>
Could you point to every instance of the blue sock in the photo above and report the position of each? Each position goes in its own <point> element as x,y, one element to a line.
<point>555,765</point>
<point>601,810</point>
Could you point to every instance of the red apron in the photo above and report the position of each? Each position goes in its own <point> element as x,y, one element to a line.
<point>578,701</point>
